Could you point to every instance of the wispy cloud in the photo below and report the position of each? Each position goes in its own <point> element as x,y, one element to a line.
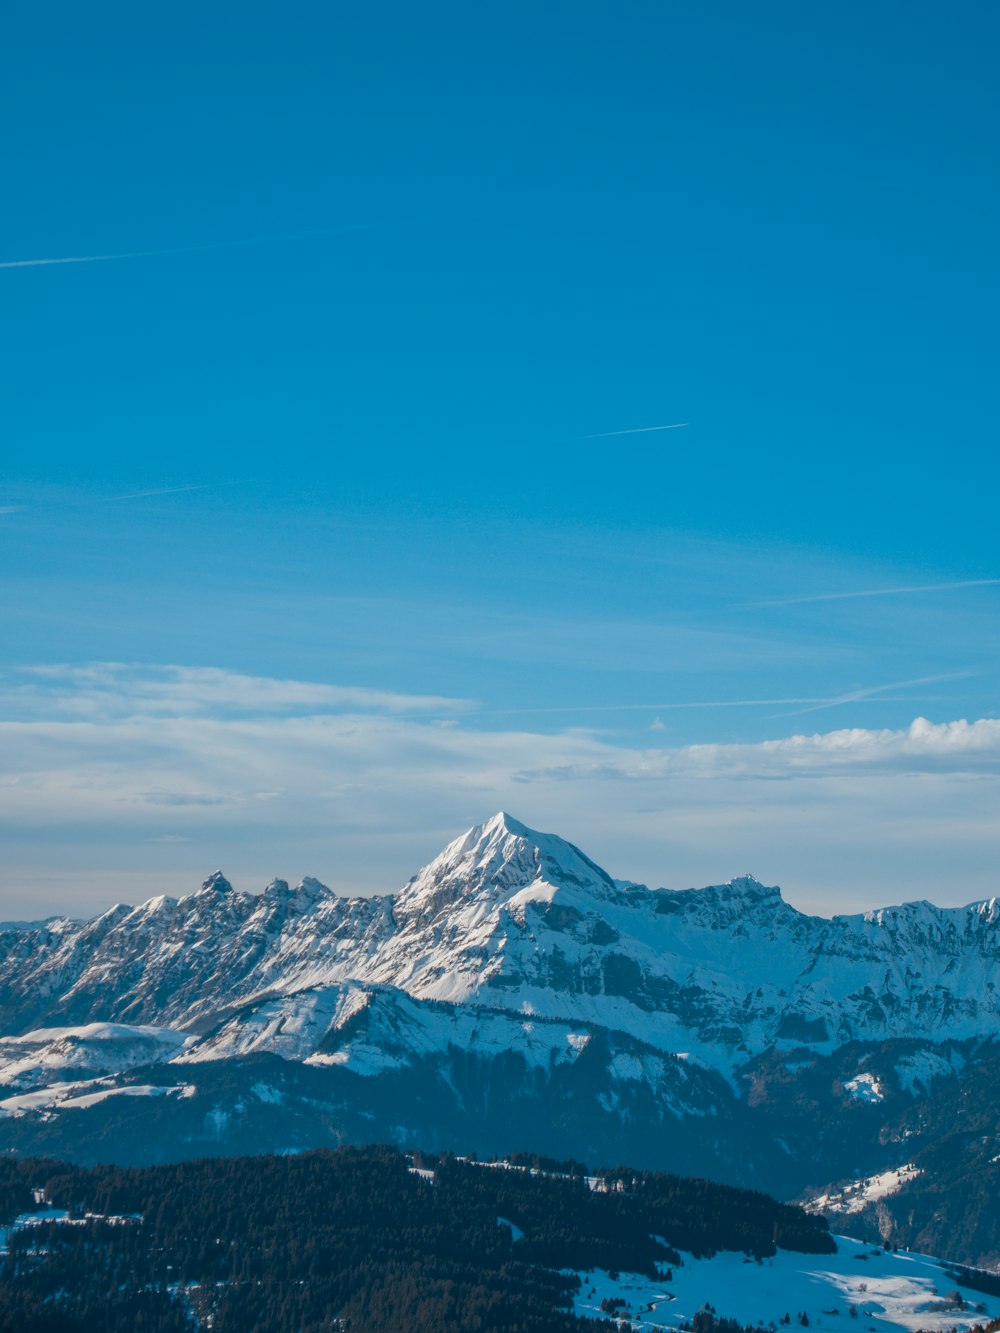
<point>83,259</point>
<point>636,430</point>
<point>881,592</point>
<point>809,703</point>
<point>167,490</point>
<point>231,244</point>
<point>107,690</point>
<point>110,499</point>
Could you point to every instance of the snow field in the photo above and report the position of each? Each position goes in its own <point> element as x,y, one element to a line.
<point>904,1292</point>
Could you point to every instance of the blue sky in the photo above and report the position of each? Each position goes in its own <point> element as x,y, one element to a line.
<point>328,468</point>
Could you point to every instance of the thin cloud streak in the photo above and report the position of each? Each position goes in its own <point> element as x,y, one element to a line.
<point>168,490</point>
<point>656,707</point>
<point>881,592</point>
<point>189,249</point>
<point>636,430</point>
<point>871,694</point>
<point>877,693</point>
<point>128,495</point>
<point>79,259</point>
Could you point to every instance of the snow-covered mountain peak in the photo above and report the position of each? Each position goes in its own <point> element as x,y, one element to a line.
<point>494,862</point>
<point>309,887</point>
<point>751,886</point>
<point>307,896</point>
<point>749,890</point>
<point>160,903</point>
<point>216,883</point>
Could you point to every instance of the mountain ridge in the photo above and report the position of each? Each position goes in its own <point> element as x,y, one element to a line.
<point>512,919</point>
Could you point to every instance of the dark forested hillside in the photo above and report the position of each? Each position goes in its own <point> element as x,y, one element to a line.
<point>354,1239</point>
<point>948,1203</point>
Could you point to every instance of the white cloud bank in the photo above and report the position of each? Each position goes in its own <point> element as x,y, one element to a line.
<point>121,781</point>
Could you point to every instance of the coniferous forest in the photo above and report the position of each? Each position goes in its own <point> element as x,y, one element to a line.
<point>355,1239</point>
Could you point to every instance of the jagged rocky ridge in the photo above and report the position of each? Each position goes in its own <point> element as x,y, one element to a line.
<point>510,991</point>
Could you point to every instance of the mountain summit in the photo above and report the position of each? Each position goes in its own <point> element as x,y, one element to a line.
<point>497,860</point>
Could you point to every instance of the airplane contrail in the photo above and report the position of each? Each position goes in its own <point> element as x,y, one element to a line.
<point>128,495</point>
<point>811,703</point>
<point>636,430</point>
<point>881,592</point>
<point>80,259</point>
<point>169,490</point>
<point>876,693</point>
<point>188,249</point>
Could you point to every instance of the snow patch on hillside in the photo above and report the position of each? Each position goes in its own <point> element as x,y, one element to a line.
<point>917,1072</point>
<point>79,1096</point>
<point>865,1088</point>
<point>858,1194</point>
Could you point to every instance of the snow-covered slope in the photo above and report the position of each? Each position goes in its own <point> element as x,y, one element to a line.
<point>95,1048</point>
<point>859,1287</point>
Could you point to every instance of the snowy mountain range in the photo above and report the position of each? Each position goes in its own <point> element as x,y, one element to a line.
<point>511,995</point>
